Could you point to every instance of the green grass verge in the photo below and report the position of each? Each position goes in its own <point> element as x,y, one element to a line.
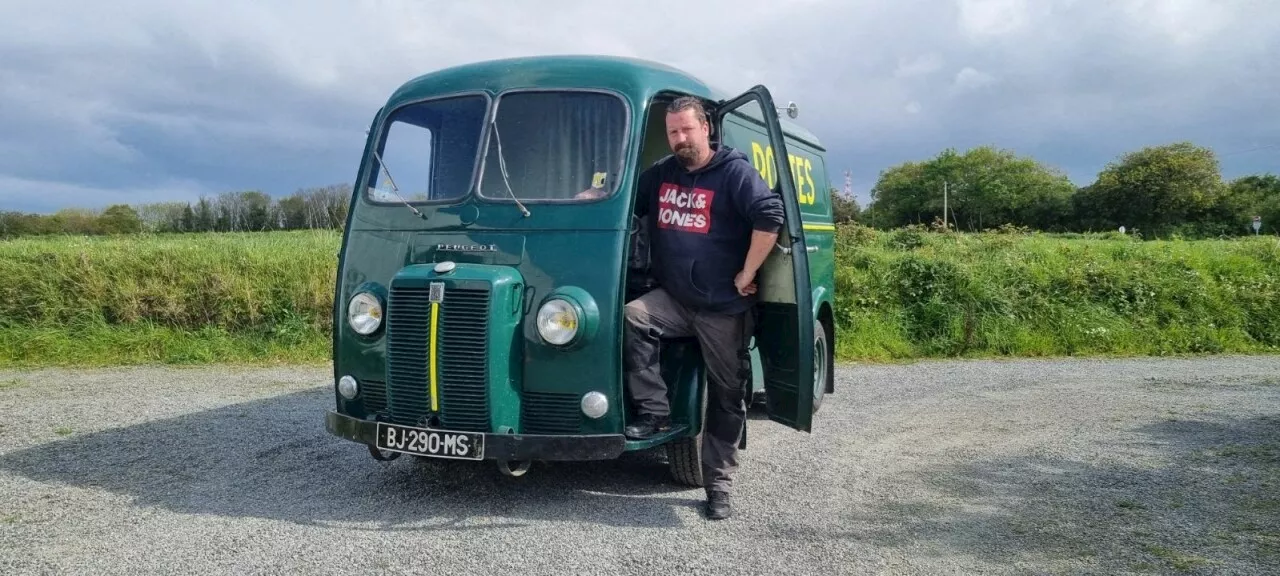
<point>103,345</point>
<point>904,294</point>
<point>169,299</point>
<point>912,294</point>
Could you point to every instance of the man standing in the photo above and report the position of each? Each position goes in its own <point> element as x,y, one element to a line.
<point>712,222</point>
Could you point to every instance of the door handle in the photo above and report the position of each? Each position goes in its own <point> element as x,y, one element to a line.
<point>787,251</point>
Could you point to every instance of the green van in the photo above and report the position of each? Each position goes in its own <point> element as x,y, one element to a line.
<point>479,300</point>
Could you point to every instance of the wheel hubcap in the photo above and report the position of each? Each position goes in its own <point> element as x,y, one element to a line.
<point>819,367</point>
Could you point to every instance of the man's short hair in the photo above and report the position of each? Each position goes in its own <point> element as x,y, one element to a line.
<point>688,103</point>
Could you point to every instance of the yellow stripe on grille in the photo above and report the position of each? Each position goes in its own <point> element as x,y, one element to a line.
<point>435,321</point>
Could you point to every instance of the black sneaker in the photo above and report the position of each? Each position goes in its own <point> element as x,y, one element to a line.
<point>648,425</point>
<point>718,507</point>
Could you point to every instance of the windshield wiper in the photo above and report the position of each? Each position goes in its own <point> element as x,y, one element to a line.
<point>394,189</point>
<point>502,165</point>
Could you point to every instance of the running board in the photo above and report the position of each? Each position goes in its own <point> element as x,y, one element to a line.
<point>675,432</point>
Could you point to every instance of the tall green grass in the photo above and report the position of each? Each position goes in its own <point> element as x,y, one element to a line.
<point>910,293</point>
<point>903,294</point>
<point>182,298</point>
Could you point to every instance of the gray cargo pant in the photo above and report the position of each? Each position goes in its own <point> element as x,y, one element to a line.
<point>723,339</point>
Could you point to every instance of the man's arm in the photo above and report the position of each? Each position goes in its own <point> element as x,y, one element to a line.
<point>761,243</point>
<point>759,205</point>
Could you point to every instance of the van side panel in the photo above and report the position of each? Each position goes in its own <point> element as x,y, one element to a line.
<point>819,230</point>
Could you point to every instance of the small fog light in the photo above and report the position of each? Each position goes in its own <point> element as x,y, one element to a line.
<point>594,404</point>
<point>347,387</point>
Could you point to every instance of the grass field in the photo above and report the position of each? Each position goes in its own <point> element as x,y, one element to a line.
<point>903,294</point>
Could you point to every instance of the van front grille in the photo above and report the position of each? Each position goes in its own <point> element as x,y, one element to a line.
<point>464,366</point>
<point>462,363</point>
<point>375,395</point>
<point>550,413</point>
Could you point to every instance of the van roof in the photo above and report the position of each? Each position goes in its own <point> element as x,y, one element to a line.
<point>626,74</point>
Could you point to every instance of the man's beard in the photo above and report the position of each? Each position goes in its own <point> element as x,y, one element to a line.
<point>687,154</point>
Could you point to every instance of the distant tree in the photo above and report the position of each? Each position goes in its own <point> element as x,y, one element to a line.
<point>1159,190</point>
<point>13,224</point>
<point>985,188</point>
<point>206,219</point>
<point>119,219</point>
<point>71,221</point>
<point>187,222</point>
<point>844,208</point>
<point>256,211</point>
<point>1249,196</point>
<point>162,216</point>
<point>293,211</point>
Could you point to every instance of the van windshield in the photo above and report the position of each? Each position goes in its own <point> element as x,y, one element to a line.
<point>554,146</point>
<point>429,150</point>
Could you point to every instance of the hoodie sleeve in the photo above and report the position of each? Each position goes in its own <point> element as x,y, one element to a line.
<point>753,198</point>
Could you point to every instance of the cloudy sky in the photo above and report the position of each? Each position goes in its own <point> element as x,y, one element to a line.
<point>148,100</point>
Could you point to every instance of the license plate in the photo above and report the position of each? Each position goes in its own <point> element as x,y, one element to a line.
<point>432,443</point>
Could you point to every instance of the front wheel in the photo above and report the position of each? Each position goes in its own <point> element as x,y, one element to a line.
<point>684,458</point>
<point>684,455</point>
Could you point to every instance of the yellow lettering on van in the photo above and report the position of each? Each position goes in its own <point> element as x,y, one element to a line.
<point>798,177</point>
<point>812,197</point>
<point>801,167</point>
<point>801,173</point>
<point>762,157</point>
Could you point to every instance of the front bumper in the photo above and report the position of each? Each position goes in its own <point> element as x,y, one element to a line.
<point>500,446</point>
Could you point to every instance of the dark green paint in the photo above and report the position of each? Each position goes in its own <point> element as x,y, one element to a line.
<point>579,249</point>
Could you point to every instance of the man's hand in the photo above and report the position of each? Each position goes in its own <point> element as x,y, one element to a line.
<point>745,282</point>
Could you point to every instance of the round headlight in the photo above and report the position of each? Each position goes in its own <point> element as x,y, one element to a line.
<point>364,314</point>
<point>347,387</point>
<point>557,322</point>
<point>594,404</point>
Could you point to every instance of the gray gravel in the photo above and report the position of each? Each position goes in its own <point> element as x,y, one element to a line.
<point>1027,467</point>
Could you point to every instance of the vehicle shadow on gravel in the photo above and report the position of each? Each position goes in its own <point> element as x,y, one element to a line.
<point>273,459</point>
<point>1197,494</point>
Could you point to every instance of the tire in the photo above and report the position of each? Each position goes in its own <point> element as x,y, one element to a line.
<point>822,361</point>
<point>684,456</point>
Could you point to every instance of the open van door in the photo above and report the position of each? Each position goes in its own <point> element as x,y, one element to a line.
<point>784,334</point>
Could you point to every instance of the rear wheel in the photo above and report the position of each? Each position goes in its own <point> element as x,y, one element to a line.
<point>821,364</point>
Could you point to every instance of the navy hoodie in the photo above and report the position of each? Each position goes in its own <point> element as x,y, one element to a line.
<point>700,226</point>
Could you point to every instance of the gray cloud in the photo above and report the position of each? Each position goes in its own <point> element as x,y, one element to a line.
<point>144,100</point>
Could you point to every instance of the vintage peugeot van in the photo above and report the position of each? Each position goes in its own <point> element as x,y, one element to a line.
<point>479,299</point>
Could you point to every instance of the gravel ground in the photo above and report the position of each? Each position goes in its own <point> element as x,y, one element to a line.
<point>1027,467</point>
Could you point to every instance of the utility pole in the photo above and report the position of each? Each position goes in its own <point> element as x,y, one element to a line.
<point>945,226</point>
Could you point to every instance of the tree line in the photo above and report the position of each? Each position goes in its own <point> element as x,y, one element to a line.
<point>1157,191</point>
<point>323,207</point>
